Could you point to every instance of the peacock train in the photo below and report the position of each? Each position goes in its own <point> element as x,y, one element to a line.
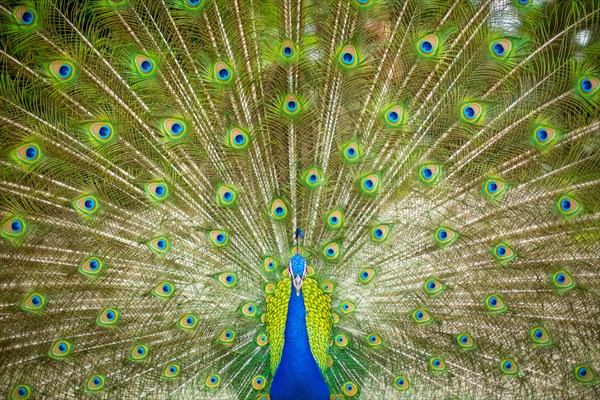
<point>299,199</point>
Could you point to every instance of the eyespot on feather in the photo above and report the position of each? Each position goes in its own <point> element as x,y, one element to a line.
<point>584,374</point>
<point>500,48</point>
<point>429,173</point>
<point>335,219</point>
<point>365,275</point>
<point>144,65</point>
<point>237,138</point>
<point>433,287</point>
<point>159,245</point>
<point>108,318</point>
<point>568,206</point>
<point>351,152</point>
<point>63,71</point>
<point>587,85</point>
<point>504,253</point>
<point>350,389</point>
<point>164,290</point>
<point>34,302</point>
<point>563,281</point>
<point>60,349</point>
<point>444,236</point>
<point>331,251</point>
<point>25,16</point>
<point>540,336</point>
<point>369,184</point>
<point>346,307</point>
<point>228,279</point>
<point>213,381</point>
<point>279,210</point>
<point>544,135</point>
<point>335,318</point>
<point>95,383</point>
<point>21,392</point>
<point>291,105</point>
<point>524,3</point>
<point>28,154</point>
<point>495,304</point>
<point>157,191</point>
<point>394,116</point>
<point>171,371</point>
<point>428,46</point>
<point>139,353</point>
<point>269,264</point>
<point>312,178</point>
<point>249,309</point>
<point>227,336</point>
<point>340,340</point>
<point>13,227</point>
<point>218,237</point>
<point>188,322</point>
<point>348,57</point>
<point>194,4</point>
<point>493,188</point>
<point>87,205</point>
<point>327,287</point>
<point>465,342</point>
<point>379,233</point>
<point>401,383</point>
<point>101,133</point>
<point>421,316</point>
<point>262,339</point>
<point>287,51</point>
<point>471,112</point>
<point>259,382</point>
<point>222,73</point>
<point>226,195</point>
<point>173,128</point>
<point>374,340</point>
<point>509,367</point>
<point>363,4</point>
<point>437,365</point>
<point>269,288</point>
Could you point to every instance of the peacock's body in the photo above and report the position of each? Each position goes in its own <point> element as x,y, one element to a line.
<point>441,160</point>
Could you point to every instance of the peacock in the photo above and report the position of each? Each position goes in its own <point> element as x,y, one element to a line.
<point>299,199</point>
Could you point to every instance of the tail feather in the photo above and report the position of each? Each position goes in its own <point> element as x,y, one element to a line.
<point>440,158</point>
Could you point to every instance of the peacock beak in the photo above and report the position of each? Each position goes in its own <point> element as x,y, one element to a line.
<point>298,284</point>
<point>297,280</point>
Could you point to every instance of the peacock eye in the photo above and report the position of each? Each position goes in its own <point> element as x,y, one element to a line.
<point>31,152</point>
<point>194,3</point>
<point>393,116</point>
<point>426,46</point>
<point>64,71</point>
<point>348,57</point>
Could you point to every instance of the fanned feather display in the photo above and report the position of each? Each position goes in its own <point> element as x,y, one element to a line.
<point>403,194</point>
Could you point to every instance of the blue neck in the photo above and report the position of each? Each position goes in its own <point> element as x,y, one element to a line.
<point>298,376</point>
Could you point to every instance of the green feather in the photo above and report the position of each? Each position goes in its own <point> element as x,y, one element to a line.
<point>441,158</point>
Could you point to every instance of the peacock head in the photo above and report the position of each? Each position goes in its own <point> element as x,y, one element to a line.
<point>297,270</point>
<point>297,264</point>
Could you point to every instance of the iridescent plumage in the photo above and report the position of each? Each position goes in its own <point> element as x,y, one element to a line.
<point>442,159</point>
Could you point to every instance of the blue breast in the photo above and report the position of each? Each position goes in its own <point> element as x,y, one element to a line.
<point>298,376</point>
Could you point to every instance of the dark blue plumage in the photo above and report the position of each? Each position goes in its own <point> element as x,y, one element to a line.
<point>298,376</point>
